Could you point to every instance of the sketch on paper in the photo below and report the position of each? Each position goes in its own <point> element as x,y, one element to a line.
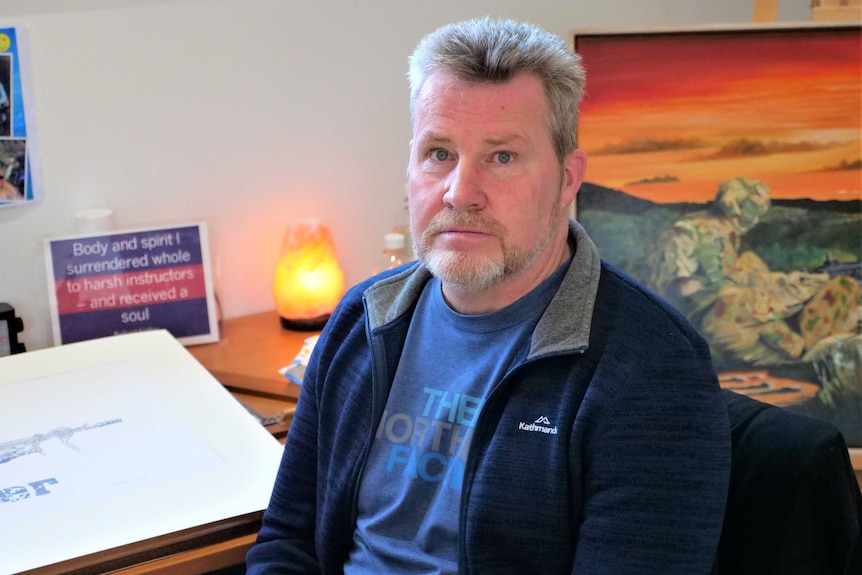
<point>9,450</point>
<point>128,438</point>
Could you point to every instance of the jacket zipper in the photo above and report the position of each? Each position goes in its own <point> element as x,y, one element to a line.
<point>469,463</point>
<point>378,370</point>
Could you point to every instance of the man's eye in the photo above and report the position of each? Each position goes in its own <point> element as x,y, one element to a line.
<point>504,157</point>
<point>440,155</point>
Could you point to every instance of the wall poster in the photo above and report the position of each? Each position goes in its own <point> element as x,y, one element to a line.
<point>725,172</point>
<point>20,175</point>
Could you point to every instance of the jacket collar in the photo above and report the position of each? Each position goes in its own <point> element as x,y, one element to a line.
<point>565,325</point>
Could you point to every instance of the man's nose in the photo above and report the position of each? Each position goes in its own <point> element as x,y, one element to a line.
<point>463,188</point>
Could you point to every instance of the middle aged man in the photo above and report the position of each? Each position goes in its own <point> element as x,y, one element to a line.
<point>510,404</point>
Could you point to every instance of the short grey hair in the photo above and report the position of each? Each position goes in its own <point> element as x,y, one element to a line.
<point>495,51</point>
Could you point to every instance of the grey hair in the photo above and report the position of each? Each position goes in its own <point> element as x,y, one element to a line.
<point>495,51</point>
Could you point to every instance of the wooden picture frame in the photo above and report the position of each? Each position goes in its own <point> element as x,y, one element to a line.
<point>724,172</point>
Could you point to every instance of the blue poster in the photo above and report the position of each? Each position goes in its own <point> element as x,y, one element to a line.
<point>20,176</point>
<point>133,280</point>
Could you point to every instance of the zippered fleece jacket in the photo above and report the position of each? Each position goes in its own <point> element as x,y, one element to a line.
<point>629,478</point>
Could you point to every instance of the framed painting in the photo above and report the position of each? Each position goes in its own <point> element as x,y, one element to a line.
<point>724,172</point>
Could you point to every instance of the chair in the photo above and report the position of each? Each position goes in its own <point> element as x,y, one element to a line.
<point>794,505</point>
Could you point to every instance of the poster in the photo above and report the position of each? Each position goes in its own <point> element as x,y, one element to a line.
<point>129,281</point>
<point>20,174</point>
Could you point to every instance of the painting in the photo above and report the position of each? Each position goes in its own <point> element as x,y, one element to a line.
<point>724,172</point>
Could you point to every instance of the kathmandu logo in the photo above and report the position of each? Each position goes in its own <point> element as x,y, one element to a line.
<point>541,425</point>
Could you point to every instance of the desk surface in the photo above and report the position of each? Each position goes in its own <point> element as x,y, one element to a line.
<point>246,360</point>
<point>251,351</point>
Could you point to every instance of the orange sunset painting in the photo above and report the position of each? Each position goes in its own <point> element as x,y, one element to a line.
<point>724,171</point>
<point>667,116</point>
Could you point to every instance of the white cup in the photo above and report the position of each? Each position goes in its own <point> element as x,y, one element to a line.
<point>94,221</point>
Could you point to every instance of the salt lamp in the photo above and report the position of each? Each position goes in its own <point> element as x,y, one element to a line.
<point>308,280</point>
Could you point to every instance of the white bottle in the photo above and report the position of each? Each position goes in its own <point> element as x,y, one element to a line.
<point>394,250</point>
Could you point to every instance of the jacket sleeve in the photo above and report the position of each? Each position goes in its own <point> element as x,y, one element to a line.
<point>656,466</point>
<point>286,541</point>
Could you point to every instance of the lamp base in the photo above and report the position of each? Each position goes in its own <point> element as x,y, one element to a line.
<point>310,324</point>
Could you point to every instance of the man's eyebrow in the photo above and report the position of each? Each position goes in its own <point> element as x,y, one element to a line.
<point>432,138</point>
<point>504,140</point>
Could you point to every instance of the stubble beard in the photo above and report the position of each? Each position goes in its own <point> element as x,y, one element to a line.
<point>471,272</point>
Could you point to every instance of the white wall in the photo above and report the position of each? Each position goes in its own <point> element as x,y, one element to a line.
<point>245,114</point>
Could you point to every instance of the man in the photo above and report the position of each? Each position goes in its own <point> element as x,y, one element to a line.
<point>510,404</point>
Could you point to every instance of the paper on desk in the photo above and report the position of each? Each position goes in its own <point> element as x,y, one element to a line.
<point>123,426</point>
<point>88,435</point>
<point>295,370</point>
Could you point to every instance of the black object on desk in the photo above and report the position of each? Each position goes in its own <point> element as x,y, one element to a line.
<point>10,326</point>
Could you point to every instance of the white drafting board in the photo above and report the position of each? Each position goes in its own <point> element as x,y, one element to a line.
<point>112,441</point>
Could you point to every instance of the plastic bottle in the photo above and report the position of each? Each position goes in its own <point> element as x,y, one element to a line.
<point>394,250</point>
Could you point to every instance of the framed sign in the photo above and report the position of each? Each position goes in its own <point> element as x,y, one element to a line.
<point>129,281</point>
<point>724,172</point>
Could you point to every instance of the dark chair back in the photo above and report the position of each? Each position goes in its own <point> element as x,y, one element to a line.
<point>794,505</point>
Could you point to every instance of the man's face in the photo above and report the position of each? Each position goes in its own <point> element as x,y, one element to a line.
<point>486,190</point>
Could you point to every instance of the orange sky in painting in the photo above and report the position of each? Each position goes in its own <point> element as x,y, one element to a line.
<point>795,94</point>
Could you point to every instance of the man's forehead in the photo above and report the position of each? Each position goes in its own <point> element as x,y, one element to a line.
<point>444,96</point>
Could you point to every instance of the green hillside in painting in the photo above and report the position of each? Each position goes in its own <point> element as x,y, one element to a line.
<point>793,235</point>
<point>793,238</point>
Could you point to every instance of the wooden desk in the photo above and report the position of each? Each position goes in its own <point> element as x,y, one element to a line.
<point>251,351</point>
<point>247,358</point>
<point>198,561</point>
<point>194,551</point>
<point>856,460</point>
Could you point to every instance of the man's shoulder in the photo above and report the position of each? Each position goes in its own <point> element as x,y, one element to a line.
<point>644,310</point>
<point>355,294</point>
<point>382,292</point>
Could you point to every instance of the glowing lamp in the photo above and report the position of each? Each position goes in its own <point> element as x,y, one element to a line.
<point>308,281</point>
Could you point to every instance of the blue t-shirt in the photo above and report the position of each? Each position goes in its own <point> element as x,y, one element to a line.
<point>410,491</point>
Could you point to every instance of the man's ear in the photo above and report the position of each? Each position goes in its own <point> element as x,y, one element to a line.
<point>574,172</point>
